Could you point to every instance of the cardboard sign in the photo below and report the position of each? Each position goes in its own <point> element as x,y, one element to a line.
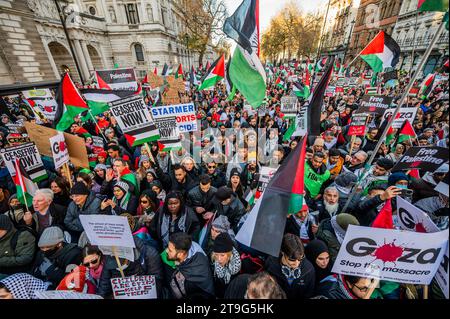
<point>59,150</point>
<point>134,287</point>
<point>289,106</point>
<point>425,158</point>
<point>64,294</point>
<point>135,120</point>
<point>117,79</point>
<point>405,113</point>
<point>184,113</point>
<point>413,218</point>
<point>122,252</point>
<point>104,230</point>
<point>374,104</point>
<point>17,139</point>
<point>42,100</point>
<point>392,255</point>
<point>29,157</point>
<point>358,125</point>
<point>41,136</point>
<point>442,275</point>
<point>154,80</point>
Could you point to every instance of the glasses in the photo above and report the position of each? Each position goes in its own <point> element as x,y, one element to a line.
<point>212,166</point>
<point>362,289</point>
<point>144,202</point>
<point>92,262</point>
<point>294,259</point>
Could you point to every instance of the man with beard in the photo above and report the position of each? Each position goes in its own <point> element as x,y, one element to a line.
<point>191,276</point>
<point>329,206</point>
<point>371,141</point>
<point>356,162</point>
<point>316,174</point>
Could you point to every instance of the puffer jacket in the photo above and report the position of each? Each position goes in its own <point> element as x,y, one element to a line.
<point>197,198</point>
<point>147,262</point>
<point>90,207</point>
<point>20,258</point>
<point>234,211</point>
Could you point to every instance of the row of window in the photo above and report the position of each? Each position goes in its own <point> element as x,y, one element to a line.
<point>139,52</point>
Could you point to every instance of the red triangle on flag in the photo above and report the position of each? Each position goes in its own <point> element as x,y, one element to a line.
<point>71,96</point>
<point>220,67</point>
<point>384,217</point>
<point>130,139</point>
<point>375,46</point>
<point>155,71</point>
<point>101,83</point>
<point>161,146</point>
<point>407,129</point>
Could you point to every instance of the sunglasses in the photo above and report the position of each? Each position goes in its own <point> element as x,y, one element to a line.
<point>295,259</point>
<point>211,166</point>
<point>92,262</point>
<point>144,202</point>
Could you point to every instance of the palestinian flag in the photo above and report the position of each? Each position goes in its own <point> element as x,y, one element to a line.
<point>92,160</point>
<point>264,228</point>
<point>390,135</point>
<point>249,197</point>
<point>337,66</point>
<point>98,99</point>
<point>382,52</point>
<point>280,82</point>
<point>179,73</point>
<point>315,105</point>
<point>320,65</point>
<point>82,132</point>
<point>432,5</point>
<point>129,177</point>
<point>193,77</point>
<point>427,85</point>
<point>246,71</point>
<point>25,187</point>
<point>301,90</point>
<point>214,74</point>
<point>165,70</point>
<point>384,218</point>
<point>155,71</point>
<point>406,132</point>
<point>70,104</point>
<point>170,145</point>
<point>371,90</point>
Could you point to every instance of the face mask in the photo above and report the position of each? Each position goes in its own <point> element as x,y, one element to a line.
<point>50,252</point>
<point>401,186</point>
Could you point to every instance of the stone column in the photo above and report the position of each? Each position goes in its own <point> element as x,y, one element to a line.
<point>87,57</point>
<point>143,17</point>
<point>105,10</point>
<point>81,60</point>
<point>156,11</point>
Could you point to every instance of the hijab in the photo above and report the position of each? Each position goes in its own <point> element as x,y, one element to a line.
<point>312,251</point>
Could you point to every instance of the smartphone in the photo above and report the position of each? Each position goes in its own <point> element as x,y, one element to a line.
<point>406,192</point>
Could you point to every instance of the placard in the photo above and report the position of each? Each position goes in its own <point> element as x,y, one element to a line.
<point>184,113</point>
<point>135,120</point>
<point>301,122</point>
<point>265,175</point>
<point>29,157</point>
<point>413,218</point>
<point>59,150</point>
<point>117,79</point>
<point>374,104</point>
<point>134,287</point>
<point>43,101</point>
<point>392,255</point>
<point>425,158</point>
<point>405,113</point>
<point>289,106</point>
<point>358,125</point>
<point>168,132</point>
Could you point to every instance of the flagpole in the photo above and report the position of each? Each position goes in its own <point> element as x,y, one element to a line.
<point>96,124</point>
<point>319,49</point>
<point>397,109</point>
<point>361,51</point>
<point>414,44</point>
<point>20,178</point>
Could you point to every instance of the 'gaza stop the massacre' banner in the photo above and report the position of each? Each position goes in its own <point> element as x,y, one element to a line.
<point>393,255</point>
<point>135,120</point>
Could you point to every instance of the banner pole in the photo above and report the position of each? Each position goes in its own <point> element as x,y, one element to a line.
<point>397,109</point>
<point>96,124</point>
<point>67,171</point>
<point>425,291</point>
<point>116,256</point>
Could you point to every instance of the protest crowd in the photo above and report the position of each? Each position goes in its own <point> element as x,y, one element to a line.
<point>185,199</point>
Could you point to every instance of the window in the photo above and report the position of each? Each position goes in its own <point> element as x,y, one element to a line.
<point>163,15</point>
<point>150,12</point>
<point>92,10</point>
<point>139,52</point>
<point>112,14</point>
<point>132,13</point>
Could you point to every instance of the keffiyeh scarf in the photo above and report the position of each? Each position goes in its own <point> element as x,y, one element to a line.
<point>168,226</point>
<point>230,269</point>
<point>340,233</point>
<point>23,286</point>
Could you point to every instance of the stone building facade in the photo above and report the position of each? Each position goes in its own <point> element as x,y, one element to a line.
<point>129,33</point>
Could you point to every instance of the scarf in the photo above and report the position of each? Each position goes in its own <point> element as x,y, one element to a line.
<point>123,202</point>
<point>23,286</point>
<point>344,288</point>
<point>304,226</point>
<point>233,267</point>
<point>291,274</point>
<point>168,226</point>
<point>340,233</point>
<point>96,273</point>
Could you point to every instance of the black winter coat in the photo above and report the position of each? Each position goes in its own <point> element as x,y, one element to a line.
<point>234,211</point>
<point>57,213</point>
<point>197,198</point>
<point>367,211</point>
<point>301,288</point>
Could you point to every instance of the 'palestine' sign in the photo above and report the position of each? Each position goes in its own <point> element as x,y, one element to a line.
<point>29,157</point>
<point>289,106</point>
<point>358,125</point>
<point>135,120</point>
<point>392,255</point>
<point>117,79</point>
<point>374,104</point>
<point>405,113</point>
<point>426,158</point>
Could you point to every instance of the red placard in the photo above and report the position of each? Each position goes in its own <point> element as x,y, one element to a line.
<point>357,130</point>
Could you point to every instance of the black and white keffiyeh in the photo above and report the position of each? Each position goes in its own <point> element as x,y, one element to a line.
<point>23,286</point>
<point>338,230</point>
<point>230,269</point>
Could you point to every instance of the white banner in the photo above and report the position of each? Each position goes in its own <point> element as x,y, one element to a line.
<point>301,122</point>
<point>64,294</point>
<point>289,106</point>
<point>442,275</point>
<point>43,101</point>
<point>393,255</point>
<point>184,113</point>
<point>134,287</point>
<point>59,150</point>
<point>405,113</point>
<point>413,218</point>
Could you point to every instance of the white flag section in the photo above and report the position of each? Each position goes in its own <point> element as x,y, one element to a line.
<point>244,236</point>
<point>412,218</point>
<point>301,122</point>
<point>134,287</point>
<point>59,150</point>
<point>108,232</point>
<point>393,255</point>
<point>64,294</point>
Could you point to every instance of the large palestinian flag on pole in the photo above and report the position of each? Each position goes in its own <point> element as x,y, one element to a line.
<point>264,228</point>
<point>70,104</point>
<point>246,71</point>
<point>25,187</point>
<point>382,52</point>
<point>98,99</point>
<point>406,132</point>
<point>427,85</point>
<point>214,74</point>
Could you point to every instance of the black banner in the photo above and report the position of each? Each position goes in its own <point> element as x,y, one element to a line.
<point>426,159</point>
<point>374,104</point>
